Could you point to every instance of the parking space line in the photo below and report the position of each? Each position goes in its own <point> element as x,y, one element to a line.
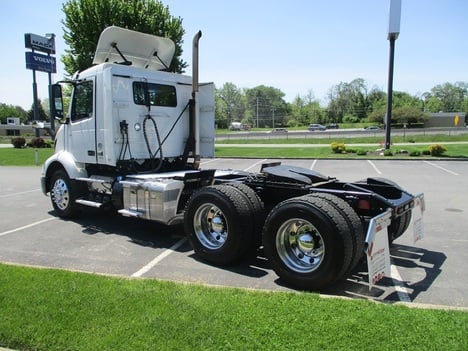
<point>208,161</point>
<point>159,258</point>
<point>374,166</point>
<point>255,164</point>
<point>442,168</point>
<point>20,193</point>
<point>313,164</point>
<point>27,226</point>
<point>401,291</point>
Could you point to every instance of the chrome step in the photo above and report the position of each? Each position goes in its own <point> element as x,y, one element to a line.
<point>94,180</point>
<point>89,203</point>
<point>130,213</point>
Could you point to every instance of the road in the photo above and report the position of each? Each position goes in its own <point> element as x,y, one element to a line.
<point>432,271</point>
<point>340,133</point>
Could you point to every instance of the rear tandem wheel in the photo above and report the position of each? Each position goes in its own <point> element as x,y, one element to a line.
<point>308,242</point>
<point>218,223</point>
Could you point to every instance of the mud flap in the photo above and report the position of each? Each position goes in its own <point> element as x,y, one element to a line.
<point>377,244</point>
<point>416,225</point>
<point>377,248</point>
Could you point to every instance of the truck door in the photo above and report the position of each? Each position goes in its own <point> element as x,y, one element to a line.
<point>82,136</point>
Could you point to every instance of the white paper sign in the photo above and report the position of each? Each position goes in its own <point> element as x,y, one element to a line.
<point>377,250</point>
<point>416,221</point>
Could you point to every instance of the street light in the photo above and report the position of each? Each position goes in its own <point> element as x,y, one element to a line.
<point>393,32</point>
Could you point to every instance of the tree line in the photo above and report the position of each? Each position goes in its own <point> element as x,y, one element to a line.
<point>353,102</point>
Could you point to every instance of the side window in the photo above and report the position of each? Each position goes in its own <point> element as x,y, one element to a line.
<point>82,101</point>
<point>158,94</point>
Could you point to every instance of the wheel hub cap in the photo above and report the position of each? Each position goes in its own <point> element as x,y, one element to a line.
<point>60,194</point>
<point>210,226</point>
<point>300,245</point>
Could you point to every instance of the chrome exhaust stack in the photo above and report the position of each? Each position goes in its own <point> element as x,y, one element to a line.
<point>196,108</point>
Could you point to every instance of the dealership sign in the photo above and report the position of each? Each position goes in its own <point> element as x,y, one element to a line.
<point>39,62</point>
<point>39,43</point>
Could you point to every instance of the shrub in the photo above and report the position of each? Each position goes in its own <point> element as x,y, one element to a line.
<point>437,149</point>
<point>426,152</point>
<point>18,142</point>
<point>415,153</point>
<point>37,143</point>
<point>338,148</point>
<point>388,152</point>
<point>292,123</point>
<point>49,143</point>
<point>361,152</point>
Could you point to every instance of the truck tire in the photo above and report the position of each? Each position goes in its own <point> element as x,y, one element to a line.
<point>356,230</point>
<point>398,226</point>
<point>218,224</point>
<point>257,210</point>
<point>304,242</point>
<point>63,195</point>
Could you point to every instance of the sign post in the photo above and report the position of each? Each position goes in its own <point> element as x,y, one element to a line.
<point>393,32</point>
<point>42,63</point>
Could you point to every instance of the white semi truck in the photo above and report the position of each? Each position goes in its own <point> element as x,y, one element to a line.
<point>132,142</point>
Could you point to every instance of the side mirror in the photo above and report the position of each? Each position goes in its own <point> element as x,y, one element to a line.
<point>57,98</point>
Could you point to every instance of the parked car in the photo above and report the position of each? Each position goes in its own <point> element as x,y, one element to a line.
<point>372,128</point>
<point>333,126</point>
<point>312,127</point>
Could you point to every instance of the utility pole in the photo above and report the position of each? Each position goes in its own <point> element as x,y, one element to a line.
<point>257,112</point>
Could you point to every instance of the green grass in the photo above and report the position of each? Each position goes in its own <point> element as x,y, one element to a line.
<point>23,157</point>
<point>27,157</point>
<point>437,138</point>
<point>453,151</point>
<point>45,309</point>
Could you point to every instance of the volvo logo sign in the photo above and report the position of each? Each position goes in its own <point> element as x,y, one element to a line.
<point>40,62</point>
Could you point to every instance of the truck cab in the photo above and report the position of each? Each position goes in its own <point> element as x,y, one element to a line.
<point>127,113</point>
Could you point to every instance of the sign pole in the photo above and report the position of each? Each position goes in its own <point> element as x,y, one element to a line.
<point>393,32</point>
<point>388,115</point>
<point>35,107</point>
<point>42,63</point>
<point>51,37</point>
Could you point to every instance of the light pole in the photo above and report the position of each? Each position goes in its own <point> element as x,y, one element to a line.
<point>393,32</point>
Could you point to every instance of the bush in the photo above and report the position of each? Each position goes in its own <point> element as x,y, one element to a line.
<point>49,143</point>
<point>437,149</point>
<point>426,152</point>
<point>415,153</point>
<point>18,142</point>
<point>388,152</point>
<point>292,123</point>
<point>361,152</point>
<point>338,148</point>
<point>37,143</point>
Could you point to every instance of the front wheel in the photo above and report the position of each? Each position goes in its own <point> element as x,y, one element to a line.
<point>63,195</point>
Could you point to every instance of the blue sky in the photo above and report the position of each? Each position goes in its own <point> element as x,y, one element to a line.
<point>296,46</point>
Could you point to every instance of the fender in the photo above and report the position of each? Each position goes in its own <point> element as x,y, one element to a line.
<point>61,160</point>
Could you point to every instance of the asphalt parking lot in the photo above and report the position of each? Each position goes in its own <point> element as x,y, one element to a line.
<point>432,271</point>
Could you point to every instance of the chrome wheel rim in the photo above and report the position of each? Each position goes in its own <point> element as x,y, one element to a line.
<point>300,245</point>
<point>60,194</point>
<point>210,226</point>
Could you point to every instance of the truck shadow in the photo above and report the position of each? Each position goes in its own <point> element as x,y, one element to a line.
<point>416,268</point>
<point>419,267</point>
